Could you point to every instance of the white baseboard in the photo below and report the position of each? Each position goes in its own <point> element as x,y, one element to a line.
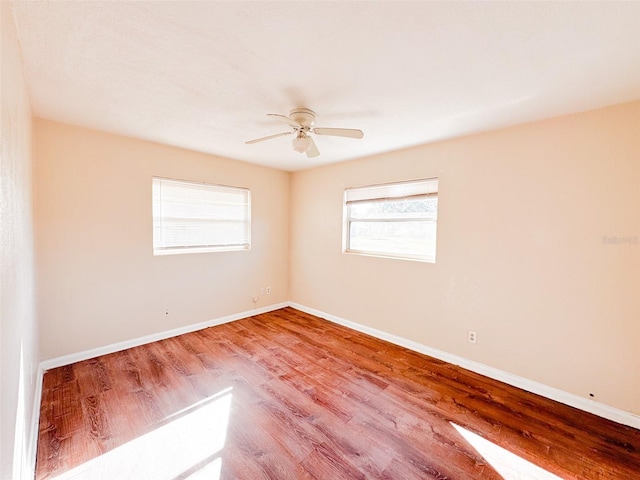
<point>154,337</point>
<point>34,428</point>
<point>570,399</point>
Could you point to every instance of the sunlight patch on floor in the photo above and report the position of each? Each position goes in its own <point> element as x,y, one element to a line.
<point>509,465</point>
<point>189,438</point>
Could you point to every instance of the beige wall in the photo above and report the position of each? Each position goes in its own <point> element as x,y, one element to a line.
<point>520,257</point>
<point>18,326</point>
<point>99,282</point>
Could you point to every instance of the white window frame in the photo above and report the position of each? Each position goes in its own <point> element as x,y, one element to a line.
<point>420,188</point>
<point>162,248</point>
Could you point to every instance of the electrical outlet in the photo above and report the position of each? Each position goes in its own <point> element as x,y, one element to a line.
<point>268,290</point>
<point>472,336</point>
<point>254,299</point>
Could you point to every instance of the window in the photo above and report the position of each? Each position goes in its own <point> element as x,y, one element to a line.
<point>393,220</point>
<point>193,217</point>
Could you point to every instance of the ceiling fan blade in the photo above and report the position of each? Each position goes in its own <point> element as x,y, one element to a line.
<point>285,119</point>
<point>313,150</point>
<point>268,138</point>
<point>339,132</point>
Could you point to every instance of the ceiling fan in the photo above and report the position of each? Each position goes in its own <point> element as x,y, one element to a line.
<point>301,120</point>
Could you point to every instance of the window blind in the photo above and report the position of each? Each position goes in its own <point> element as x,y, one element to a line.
<point>398,190</point>
<point>189,216</point>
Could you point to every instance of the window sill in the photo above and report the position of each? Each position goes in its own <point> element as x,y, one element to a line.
<point>392,257</point>
<point>180,251</point>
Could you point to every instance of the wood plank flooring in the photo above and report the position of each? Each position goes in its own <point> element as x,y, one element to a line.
<point>286,395</point>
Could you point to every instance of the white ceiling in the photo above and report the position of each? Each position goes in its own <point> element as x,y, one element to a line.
<point>202,75</point>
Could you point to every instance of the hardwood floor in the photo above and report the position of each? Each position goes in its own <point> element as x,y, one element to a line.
<point>286,395</point>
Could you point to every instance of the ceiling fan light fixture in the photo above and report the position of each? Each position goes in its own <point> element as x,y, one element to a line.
<point>301,143</point>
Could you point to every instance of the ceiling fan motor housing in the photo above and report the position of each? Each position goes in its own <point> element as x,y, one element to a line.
<point>303,116</point>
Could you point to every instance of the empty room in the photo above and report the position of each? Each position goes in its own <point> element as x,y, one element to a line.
<point>319,240</point>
